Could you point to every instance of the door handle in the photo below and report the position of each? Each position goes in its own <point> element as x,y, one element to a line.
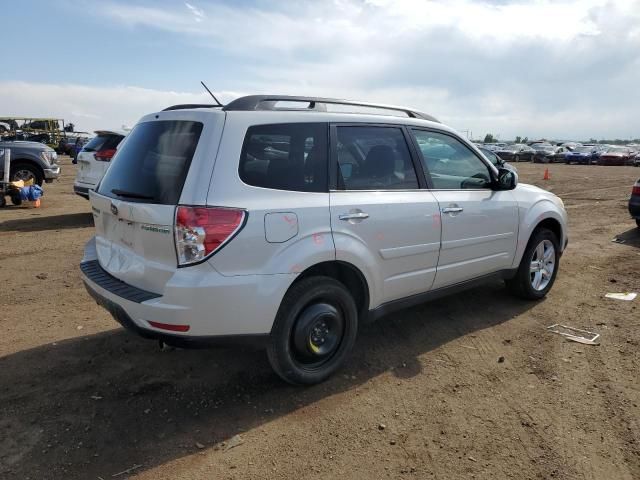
<point>452,210</point>
<point>353,216</point>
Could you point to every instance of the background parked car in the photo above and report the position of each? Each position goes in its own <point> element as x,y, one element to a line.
<point>30,161</point>
<point>76,147</point>
<point>570,146</point>
<point>493,146</point>
<point>636,160</point>
<point>496,160</point>
<point>545,153</point>
<point>584,155</point>
<point>634,203</point>
<point>516,153</point>
<point>65,146</point>
<point>617,156</point>
<point>94,158</point>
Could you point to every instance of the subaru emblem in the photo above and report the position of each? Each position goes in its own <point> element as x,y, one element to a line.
<point>114,209</point>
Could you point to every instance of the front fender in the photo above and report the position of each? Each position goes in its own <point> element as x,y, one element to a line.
<point>531,217</point>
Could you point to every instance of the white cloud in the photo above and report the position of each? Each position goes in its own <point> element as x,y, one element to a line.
<point>561,68</point>
<point>198,14</point>
<point>520,67</point>
<point>92,108</point>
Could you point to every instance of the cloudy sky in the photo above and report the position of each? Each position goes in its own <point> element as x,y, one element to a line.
<point>561,69</point>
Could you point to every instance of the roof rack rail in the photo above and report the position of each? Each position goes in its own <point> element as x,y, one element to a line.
<point>316,104</point>
<point>186,106</point>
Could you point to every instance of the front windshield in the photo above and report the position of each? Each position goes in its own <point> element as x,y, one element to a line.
<point>617,150</point>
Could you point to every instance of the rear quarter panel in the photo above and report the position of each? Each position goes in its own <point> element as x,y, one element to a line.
<point>250,252</point>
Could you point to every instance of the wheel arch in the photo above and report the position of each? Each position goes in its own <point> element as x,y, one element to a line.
<point>346,273</point>
<point>552,224</point>
<point>544,214</point>
<point>28,161</point>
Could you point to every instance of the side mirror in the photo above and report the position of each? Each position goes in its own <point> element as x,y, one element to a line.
<point>507,179</point>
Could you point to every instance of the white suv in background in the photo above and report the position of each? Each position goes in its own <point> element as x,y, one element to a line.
<point>276,219</point>
<point>94,159</point>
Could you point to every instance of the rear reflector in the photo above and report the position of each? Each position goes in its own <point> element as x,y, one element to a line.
<point>170,327</point>
<point>201,231</point>
<point>105,155</point>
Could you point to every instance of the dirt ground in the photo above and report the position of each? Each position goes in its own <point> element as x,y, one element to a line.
<point>465,387</point>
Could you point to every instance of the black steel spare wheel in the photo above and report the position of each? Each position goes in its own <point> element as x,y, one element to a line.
<point>317,333</point>
<point>314,330</point>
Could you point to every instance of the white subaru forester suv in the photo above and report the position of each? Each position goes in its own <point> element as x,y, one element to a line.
<point>292,220</point>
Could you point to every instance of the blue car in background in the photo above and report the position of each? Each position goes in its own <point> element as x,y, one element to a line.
<point>581,156</point>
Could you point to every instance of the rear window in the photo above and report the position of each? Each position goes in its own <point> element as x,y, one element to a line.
<point>286,157</point>
<point>102,142</point>
<point>153,163</point>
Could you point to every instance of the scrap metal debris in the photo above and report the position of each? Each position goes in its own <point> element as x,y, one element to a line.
<point>128,470</point>
<point>575,334</point>
<point>622,296</point>
<point>235,441</point>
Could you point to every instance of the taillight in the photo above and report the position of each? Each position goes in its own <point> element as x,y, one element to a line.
<point>200,231</point>
<point>105,155</point>
<point>636,189</point>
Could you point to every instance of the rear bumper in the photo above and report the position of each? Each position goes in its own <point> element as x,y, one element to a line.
<point>218,309</point>
<point>82,189</point>
<point>182,341</point>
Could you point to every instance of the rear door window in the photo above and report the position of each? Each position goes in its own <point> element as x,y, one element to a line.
<point>374,158</point>
<point>286,157</point>
<point>153,163</point>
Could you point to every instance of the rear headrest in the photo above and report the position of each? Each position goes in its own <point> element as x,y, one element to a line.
<point>380,162</point>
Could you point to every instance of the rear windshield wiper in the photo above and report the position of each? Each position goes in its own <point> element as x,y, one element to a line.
<point>124,193</point>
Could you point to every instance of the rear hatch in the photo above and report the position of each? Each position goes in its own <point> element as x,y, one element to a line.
<point>134,206</point>
<point>94,158</point>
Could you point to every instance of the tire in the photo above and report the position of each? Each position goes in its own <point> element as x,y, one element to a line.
<point>3,201</point>
<point>16,199</point>
<point>638,222</point>
<point>316,314</point>
<point>20,169</point>
<point>522,284</point>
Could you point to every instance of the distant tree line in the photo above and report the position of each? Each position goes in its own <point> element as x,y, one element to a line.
<point>490,138</point>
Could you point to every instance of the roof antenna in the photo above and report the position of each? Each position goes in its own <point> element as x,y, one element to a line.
<point>212,95</point>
